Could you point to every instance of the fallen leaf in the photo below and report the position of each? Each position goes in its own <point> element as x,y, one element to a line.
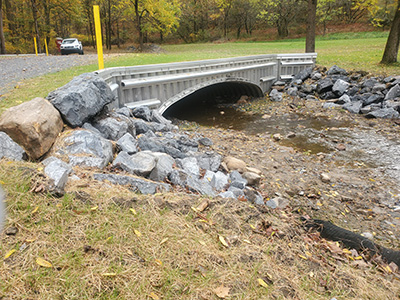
<point>133,211</point>
<point>164,241</point>
<point>43,263</point>
<point>159,262</point>
<point>11,252</point>
<point>222,291</point>
<point>109,274</point>
<point>223,241</point>
<point>262,282</point>
<point>35,210</point>
<point>137,232</point>
<point>94,208</point>
<point>154,296</point>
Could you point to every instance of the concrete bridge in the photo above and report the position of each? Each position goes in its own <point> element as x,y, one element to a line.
<point>162,85</point>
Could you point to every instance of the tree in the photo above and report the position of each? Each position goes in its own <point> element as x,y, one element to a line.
<point>280,13</point>
<point>392,43</point>
<point>2,38</point>
<point>311,23</point>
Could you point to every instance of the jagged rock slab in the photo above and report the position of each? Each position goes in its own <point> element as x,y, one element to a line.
<point>142,185</point>
<point>86,149</point>
<point>10,149</point>
<point>81,99</point>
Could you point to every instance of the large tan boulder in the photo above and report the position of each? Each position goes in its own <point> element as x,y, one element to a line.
<point>233,163</point>
<point>34,125</point>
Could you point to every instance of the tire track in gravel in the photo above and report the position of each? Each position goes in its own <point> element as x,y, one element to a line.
<point>16,68</point>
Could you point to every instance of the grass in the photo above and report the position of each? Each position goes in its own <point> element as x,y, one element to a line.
<point>99,248</point>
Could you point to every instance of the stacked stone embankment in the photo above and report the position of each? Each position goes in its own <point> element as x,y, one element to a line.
<point>138,148</point>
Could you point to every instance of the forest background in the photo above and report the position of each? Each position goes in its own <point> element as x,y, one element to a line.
<point>136,22</point>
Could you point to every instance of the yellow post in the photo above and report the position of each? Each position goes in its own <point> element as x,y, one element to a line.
<point>99,42</point>
<point>34,40</point>
<point>45,45</point>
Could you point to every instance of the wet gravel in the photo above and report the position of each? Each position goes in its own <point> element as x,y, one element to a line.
<point>16,68</point>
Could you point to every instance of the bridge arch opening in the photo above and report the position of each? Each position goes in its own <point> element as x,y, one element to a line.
<point>207,98</point>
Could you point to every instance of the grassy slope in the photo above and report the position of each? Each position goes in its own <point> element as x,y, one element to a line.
<point>95,253</point>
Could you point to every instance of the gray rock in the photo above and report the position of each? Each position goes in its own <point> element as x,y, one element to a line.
<point>393,93</point>
<point>324,85</point>
<point>379,87</point>
<point>128,144</point>
<point>85,148</point>
<point>207,161</point>
<point>142,185</point>
<point>141,126</point>
<point>292,91</point>
<point>277,202</point>
<point>308,88</point>
<point>353,107</point>
<point>370,108</point>
<point>335,70</point>
<point>340,87</point>
<point>303,75</point>
<point>374,98</point>
<point>219,181</point>
<point>113,129</point>
<point>178,177</point>
<point>236,180</point>
<point>201,186</point>
<point>142,112</point>
<point>91,128</point>
<point>369,83</point>
<point>81,99</point>
<point>205,141</point>
<point>164,145</point>
<point>189,165</point>
<point>227,194</point>
<point>158,118</point>
<point>393,104</point>
<point>10,149</point>
<point>275,96</point>
<point>253,196</point>
<point>164,166</point>
<point>316,75</point>
<point>141,163</point>
<point>237,192</point>
<point>329,105</point>
<point>57,171</point>
<point>125,111</point>
<point>343,99</point>
<point>384,113</point>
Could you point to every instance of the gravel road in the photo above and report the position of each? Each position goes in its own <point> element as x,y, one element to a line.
<point>15,68</point>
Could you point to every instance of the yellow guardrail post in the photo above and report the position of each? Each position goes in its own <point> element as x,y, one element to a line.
<point>99,42</point>
<point>34,41</point>
<point>45,45</point>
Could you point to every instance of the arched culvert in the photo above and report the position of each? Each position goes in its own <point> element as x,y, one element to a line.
<point>218,91</point>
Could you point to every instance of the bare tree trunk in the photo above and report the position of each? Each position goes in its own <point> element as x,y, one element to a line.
<point>139,24</point>
<point>311,21</point>
<point>2,38</point>
<point>35,19</point>
<point>392,43</point>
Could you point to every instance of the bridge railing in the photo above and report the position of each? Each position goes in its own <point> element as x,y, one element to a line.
<point>154,84</point>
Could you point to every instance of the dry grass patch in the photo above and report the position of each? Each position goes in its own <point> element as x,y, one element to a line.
<point>103,241</point>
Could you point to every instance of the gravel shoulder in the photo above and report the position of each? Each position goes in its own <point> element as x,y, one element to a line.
<point>16,68</point>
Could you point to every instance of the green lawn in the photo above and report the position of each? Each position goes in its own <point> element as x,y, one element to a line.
<point>352,51</point>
